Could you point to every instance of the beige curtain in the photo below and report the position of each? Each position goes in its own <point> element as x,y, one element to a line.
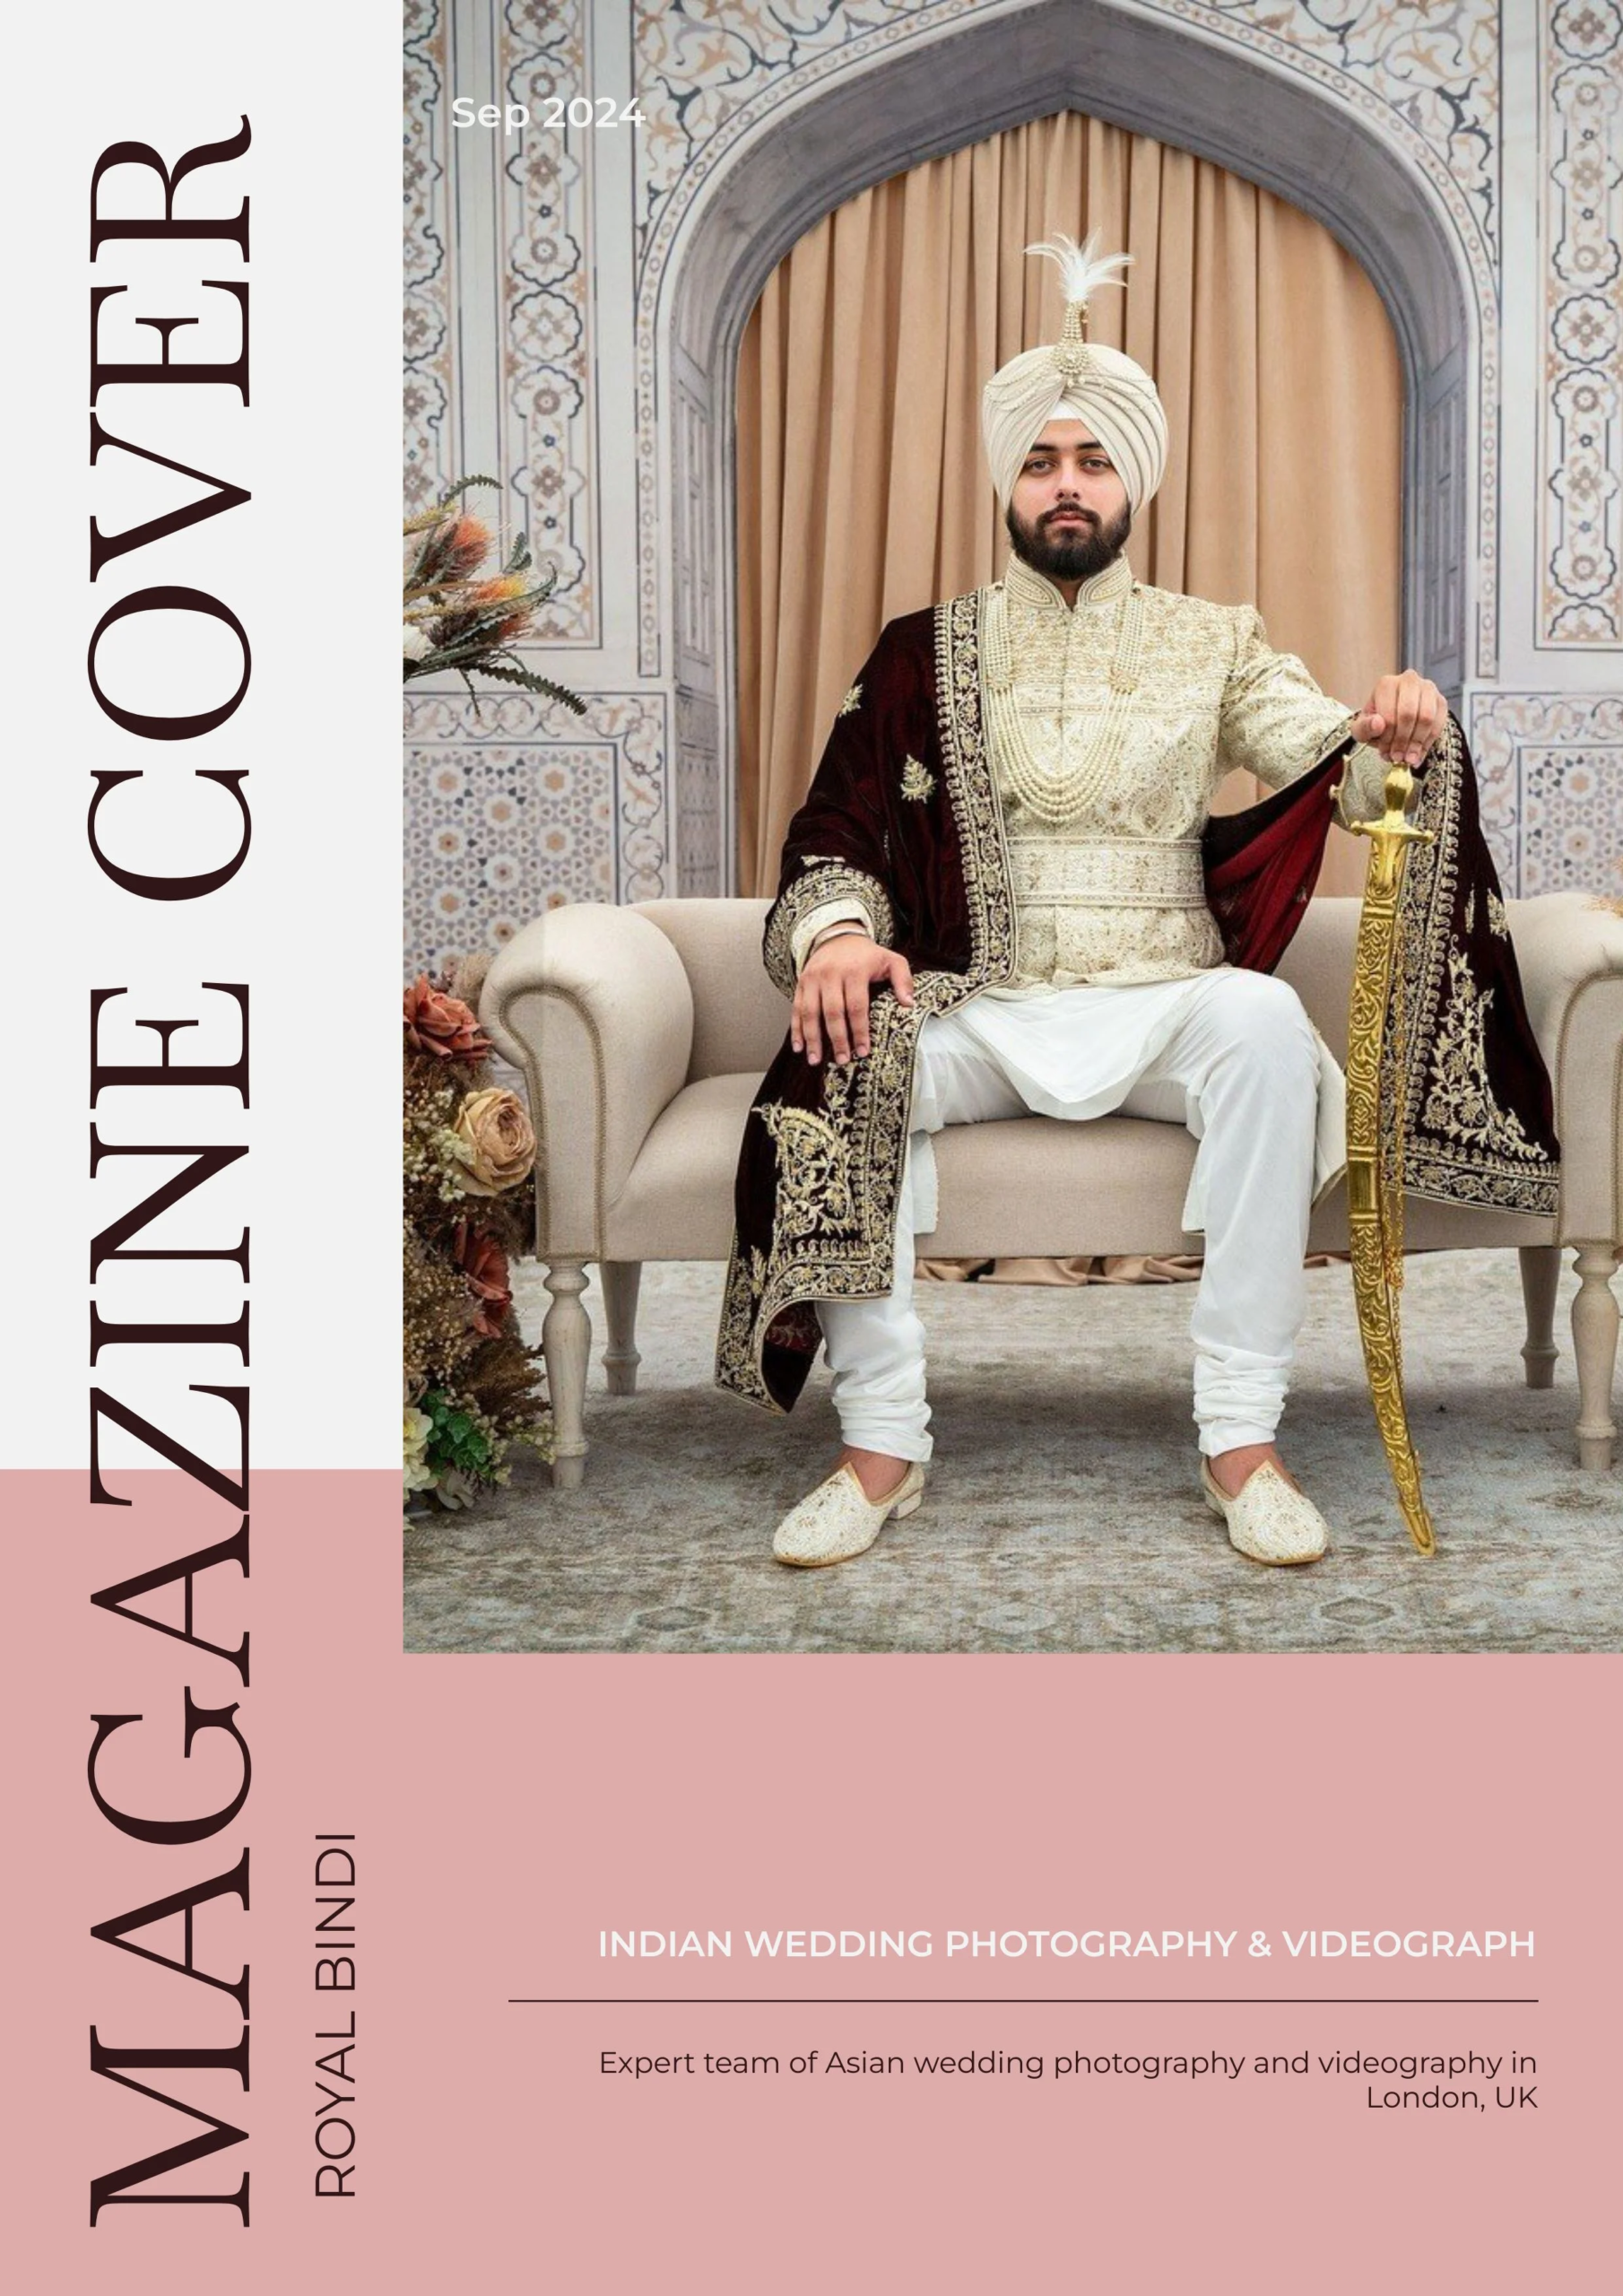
<point>862,491</point>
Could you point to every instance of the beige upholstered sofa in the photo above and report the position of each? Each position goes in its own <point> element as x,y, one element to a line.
<point>643,1034</point>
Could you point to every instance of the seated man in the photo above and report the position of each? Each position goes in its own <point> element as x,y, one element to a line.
<point>1014,794</point>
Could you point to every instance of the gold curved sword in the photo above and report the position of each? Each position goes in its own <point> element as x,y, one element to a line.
<point>1375,1198</point>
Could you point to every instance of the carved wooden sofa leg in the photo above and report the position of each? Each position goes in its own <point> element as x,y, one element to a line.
<point>621,1279</point>
<point>566,1339</point>
<point>1594,1334</point>
<point>1540,1273</point>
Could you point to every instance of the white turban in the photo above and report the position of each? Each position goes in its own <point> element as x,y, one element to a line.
<point>1089,381</point>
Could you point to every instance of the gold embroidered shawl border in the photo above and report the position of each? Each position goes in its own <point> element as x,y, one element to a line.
<point>821,882</point>
<point>1472,1151</point>
<point>838,1240</point>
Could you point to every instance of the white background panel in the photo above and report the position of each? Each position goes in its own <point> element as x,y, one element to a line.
<point>310,566</point>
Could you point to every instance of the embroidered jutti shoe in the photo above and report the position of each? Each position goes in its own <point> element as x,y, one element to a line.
<point>838,1519</point>
<point>1269,1519</point>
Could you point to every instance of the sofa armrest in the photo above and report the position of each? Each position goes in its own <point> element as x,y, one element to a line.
<point>1569,949</point>
<point>1562,940</point>
<point>593,1006</point>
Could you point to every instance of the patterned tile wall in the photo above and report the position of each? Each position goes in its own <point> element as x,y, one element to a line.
<point>1581,425</point>
<point>1549,769</point>
<point>548,414</point>
<point>515,805</point>
<point>427,331</point>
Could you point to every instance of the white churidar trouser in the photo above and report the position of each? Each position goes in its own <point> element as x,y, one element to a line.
<point>1232,1056</point>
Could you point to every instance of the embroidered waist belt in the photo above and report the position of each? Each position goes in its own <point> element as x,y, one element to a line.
<point>1111,873</point>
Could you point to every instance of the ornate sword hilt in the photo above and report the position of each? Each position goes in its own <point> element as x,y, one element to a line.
<point>1391,832</point>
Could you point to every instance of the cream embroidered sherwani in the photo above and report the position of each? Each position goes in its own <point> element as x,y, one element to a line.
<point>1115,895</point>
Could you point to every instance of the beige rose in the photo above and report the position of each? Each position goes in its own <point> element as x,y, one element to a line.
<point>498,1143</point>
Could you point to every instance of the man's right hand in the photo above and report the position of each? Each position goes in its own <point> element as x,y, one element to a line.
<point>831,996</point>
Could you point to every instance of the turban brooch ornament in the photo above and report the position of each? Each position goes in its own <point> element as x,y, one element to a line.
<point>1083,271</point>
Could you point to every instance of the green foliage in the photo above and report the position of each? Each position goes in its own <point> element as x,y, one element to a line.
<point>455,1439</point>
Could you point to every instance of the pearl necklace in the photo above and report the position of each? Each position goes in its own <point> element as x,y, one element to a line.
<point>1059,797</point>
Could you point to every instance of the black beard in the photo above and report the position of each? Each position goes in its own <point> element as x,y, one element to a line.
<point>1069,555</point>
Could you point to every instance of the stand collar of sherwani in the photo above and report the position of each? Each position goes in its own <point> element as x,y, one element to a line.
<point>1058,798</point>
<point>1027,587</point>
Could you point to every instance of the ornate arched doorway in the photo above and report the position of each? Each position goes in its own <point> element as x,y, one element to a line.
<point>884,113</point>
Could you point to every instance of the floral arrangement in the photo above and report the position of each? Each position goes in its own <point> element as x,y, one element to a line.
<point>473,1388</point>
<point>456,619</point>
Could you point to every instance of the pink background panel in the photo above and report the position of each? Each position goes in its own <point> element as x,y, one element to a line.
<point>506,1809</point>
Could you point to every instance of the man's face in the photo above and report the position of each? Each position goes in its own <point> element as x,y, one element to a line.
<point>1068,516</point>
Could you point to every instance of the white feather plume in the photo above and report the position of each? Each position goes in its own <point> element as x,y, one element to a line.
<point>1084,269</point>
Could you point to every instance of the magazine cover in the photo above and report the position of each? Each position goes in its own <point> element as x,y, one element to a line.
<point>996,954</point>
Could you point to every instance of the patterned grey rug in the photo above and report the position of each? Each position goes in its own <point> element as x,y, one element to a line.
<point>1062,1512</point>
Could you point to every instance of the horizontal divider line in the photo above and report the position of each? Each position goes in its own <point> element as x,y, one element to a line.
<point>1022,2000</point>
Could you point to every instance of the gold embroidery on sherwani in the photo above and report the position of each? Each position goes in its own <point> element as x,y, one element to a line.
<point>1115,872</point>
<point>1060,782</point>
<point>1065,692</point>
<point>917,780</point>
<point>853,701</point>
<point>1213,695</point>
